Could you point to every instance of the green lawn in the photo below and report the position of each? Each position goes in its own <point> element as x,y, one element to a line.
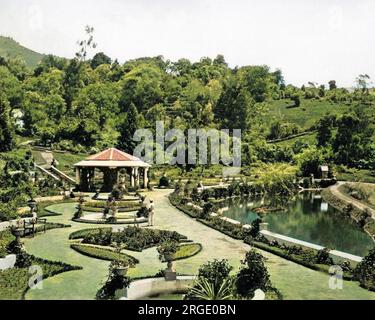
<point>67,160</point>
<point>309,138</point>
<point>187,250</point>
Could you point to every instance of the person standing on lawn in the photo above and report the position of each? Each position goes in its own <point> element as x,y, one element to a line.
<point>151,214</point>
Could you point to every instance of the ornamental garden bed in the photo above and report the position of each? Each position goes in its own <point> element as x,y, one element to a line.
<point>186,251</point>
<point>118,221</point>
<point>133,238</point>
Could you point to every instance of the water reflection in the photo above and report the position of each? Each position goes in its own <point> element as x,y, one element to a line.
<point>309,218</point>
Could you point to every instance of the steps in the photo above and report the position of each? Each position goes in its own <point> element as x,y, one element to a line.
<point>62,175</point>
<point>56,174</point>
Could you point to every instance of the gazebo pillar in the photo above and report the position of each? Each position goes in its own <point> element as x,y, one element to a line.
<point>78,175</point>
<point>145,177</point>
<point>132,183</point>
<point>137,177</point>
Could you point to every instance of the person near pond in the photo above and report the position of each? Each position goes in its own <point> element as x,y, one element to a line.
<point>151,214</point>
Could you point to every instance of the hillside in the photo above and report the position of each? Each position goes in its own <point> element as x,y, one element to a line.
<point>307,114</point>
<point>12,49</point>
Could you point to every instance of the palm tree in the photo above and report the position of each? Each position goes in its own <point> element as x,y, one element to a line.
<point>206,290</point>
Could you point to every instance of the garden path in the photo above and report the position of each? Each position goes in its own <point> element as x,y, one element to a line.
<point>360,205</point>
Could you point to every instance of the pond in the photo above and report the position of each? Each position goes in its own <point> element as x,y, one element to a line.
<point>166,296</point>
<point>308,217</point>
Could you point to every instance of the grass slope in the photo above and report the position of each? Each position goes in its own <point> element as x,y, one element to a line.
<point>10,48</point>
<point>307,114</point>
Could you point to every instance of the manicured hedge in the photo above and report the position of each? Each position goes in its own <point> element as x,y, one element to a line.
<point>296,258</point>
<point>102,253</point>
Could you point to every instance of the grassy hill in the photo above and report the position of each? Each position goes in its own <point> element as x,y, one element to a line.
<point>307,114</point>
<point>12,49</point>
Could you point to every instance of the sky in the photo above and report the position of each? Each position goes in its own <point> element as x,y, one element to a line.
<point>309,40</point>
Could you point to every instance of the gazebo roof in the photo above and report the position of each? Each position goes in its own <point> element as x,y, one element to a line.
<point>113,158</point>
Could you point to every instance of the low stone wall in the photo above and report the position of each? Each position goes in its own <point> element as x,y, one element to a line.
<point>336,255</point>
<point>144,288</point>
<point>8,262</point>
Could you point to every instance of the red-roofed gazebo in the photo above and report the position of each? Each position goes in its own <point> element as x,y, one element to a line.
<point>111,162</point>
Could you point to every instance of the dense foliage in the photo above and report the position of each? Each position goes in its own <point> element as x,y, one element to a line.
<point>365,271</point>
<point>6,239</point>
<point>83,104</point>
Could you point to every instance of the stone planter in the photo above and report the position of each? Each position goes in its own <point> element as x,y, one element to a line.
<point>121,271</point>
<point>168,257</point>
<point>18,232</point>
<point>169,273</point>
<point>32,204</point>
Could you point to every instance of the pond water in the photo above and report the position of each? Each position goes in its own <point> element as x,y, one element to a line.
<point>167,296</point>
<point>309,218</point>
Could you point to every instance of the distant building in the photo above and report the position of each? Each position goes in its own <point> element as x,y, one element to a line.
<point>324,172</point>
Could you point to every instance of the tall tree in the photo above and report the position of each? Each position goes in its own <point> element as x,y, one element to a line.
<point>332,85</point>
<point>325,128</point>
<point>127,130</point>
<point>6,126</point>
<point>353,139</point>
<point>86,45</point>
<point>99,59</point>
